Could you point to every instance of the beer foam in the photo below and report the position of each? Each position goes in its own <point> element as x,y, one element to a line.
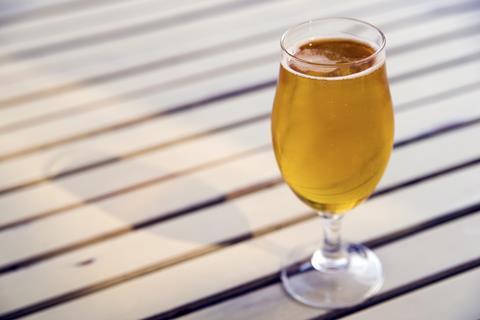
<point>330,61</point>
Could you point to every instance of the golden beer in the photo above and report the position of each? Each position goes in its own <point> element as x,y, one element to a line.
<point>332,123</point>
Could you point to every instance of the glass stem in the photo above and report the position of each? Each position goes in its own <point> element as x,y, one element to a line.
<point>332,255</point>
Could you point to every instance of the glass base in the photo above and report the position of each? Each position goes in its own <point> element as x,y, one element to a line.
<point>329,284</point>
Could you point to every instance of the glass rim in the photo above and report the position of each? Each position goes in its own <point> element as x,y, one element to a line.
<point>373,55</point>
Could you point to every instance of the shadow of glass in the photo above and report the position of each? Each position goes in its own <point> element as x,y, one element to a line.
<point>150,198</point>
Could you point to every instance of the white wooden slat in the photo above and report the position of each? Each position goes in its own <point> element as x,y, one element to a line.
<point>139,48</point>
<point>118,112</point>
<point>98,19</point>
<point>133,138</point>
<point>376,17</point>
<point>120,175</point>
<point>449,110</point>
<point>71,99</point>
<point>12,7</point>
<point>146,78</point>
<point>177,75</point>
<point>404,261</point>
<point>233,265</point>
<point>407,163</point>
<point>204,82</point>
<point>439,81</point>
<point>454,298</point>
<point>430,55</point>
<point>20,13</point>
<point>434,25</point>
<point>46,197</point>
<point>123,174</point>
<point>165,197</point>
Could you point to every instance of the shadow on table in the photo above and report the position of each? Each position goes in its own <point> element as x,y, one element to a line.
<point>181,207</point>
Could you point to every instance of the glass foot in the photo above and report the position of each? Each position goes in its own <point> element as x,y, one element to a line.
<point>322,283</point>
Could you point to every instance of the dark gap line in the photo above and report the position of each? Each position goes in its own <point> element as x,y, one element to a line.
<point>189,209</point>
<point>447,94</point>
<point>436,67</point>
<point>139,93</point>
<point>274,278</point>
<point>417,180</point>
<point>136,153</point>
<point>422,226</point>
<point>229,94</point>
<point>377,242</point>
<point>444,37</point>
<point>155,88</point>
<point>46,12</point>
<point>102,37</point>
<point>446,10</point>
<point>222,296</point>
<point>131,71</point>
<point>437,131</point>
<point>154,267</point>
<point>142,119</point>
<point>405,289</point>
<point>137,186</point>
<point>238,193</point>
<point>192,55</point>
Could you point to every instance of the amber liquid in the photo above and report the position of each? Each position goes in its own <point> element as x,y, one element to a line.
<point>332,126</point>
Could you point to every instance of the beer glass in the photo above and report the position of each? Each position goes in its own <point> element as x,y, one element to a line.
<point>332,132</point>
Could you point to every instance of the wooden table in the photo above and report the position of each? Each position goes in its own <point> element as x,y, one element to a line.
<point>136,172</point>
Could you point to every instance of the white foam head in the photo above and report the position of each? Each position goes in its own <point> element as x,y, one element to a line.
<point>289,58</point>
<point>332,28</point>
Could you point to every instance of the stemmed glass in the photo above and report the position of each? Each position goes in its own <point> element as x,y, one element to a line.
<point>332,131</point>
